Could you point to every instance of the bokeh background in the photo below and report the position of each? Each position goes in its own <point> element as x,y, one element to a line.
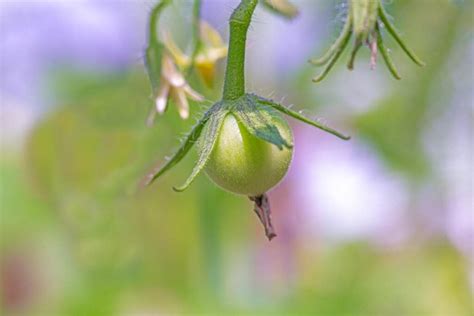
<point>380,225</point>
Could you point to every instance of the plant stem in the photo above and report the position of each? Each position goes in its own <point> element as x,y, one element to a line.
<point>153,22</point>
<point>234,82</point>
<point>196,34</point>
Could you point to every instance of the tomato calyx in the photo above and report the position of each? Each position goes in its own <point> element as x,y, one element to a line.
<point>253,111</point>
<point>258,116</point>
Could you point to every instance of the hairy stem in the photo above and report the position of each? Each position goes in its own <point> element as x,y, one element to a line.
<point>234,83</point>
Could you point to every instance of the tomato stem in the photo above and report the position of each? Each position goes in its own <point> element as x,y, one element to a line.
<point>234,82</point>
<point>154,50</point>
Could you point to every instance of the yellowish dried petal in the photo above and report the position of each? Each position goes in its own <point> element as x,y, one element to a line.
<point>217,53</point>
<point>179,98</point>
<point>283,7</point>
<point>181,59</point>
<point>207,72</point>
<point>209,35</point>
<point>194,95</point>
<point>174,85</point>
<point>212,49</point>
<point>162,98</point>
<point>171,74</point>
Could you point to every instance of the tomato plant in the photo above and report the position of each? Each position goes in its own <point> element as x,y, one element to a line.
<point>245,146</point>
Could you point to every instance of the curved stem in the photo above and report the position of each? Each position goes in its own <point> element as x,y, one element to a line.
<point>153,22</point>
<point>196,34</point>
<point>234,83</point>
<point>154,50</point>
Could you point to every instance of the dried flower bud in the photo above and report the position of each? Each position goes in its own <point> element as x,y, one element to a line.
<point>210,50</point>
<point>174,85</point>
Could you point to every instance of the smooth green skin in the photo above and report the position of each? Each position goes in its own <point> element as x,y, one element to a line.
<point>244,164</point>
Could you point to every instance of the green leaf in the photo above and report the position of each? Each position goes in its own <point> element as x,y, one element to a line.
<point>189,141</point>
<point>210,138</point>
<point>302,118</point>
<point>258,119</point>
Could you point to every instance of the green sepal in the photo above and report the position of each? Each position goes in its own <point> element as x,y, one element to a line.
<point>385,54</point>
<point>355,49</point>
<point>257,119</point>
<point>302,118</point>
<point>186,145</point>
<point>391,29</point>
<point>344,40</point>
<point>337,46</point>
<point>208,142</point>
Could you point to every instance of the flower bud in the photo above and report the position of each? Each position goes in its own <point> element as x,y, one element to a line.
<point>174,85</point>
<point>210,50</point>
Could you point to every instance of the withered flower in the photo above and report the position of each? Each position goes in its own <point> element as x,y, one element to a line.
<point>173,85</point>
<point>210,50</point>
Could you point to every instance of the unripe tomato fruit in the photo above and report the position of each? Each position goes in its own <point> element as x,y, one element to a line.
<point>244,164</point>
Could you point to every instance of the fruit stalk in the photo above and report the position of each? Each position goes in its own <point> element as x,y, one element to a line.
<point>234,82</point>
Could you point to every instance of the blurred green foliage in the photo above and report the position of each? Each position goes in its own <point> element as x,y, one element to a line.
<point>395,126</point>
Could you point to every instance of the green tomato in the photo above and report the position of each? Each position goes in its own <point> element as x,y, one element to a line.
<point>244,164</point>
